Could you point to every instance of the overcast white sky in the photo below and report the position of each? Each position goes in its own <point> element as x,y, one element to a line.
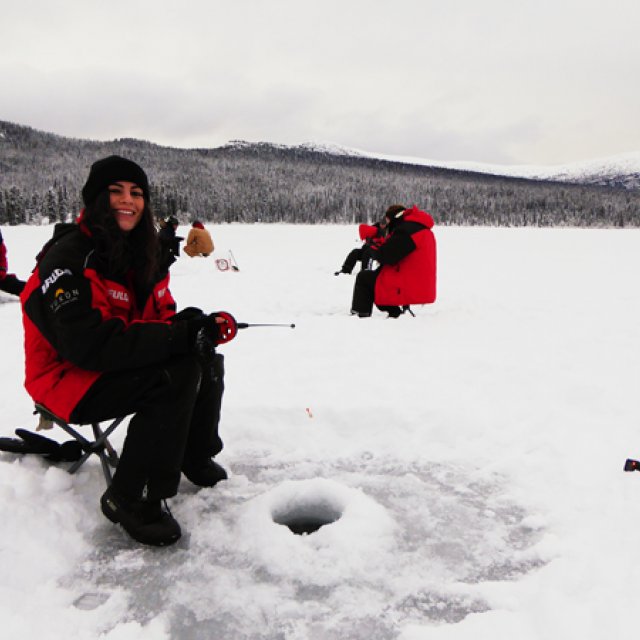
<point>500,81</point>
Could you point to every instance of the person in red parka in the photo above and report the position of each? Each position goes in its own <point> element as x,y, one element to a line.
<point>407,274</point>
<point>9,282</point>
<point>102,339</point>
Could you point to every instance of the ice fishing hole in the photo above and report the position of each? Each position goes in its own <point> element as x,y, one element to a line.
<point>305,516</point>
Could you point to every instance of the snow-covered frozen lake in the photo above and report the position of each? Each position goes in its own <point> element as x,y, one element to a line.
<point>470,458</point>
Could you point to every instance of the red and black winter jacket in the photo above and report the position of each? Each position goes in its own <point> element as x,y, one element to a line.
<point>408,259</point>
<point>80,323</point>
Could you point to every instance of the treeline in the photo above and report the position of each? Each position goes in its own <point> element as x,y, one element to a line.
<point>41,176</point>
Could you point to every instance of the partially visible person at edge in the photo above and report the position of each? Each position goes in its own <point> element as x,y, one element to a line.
<point>9,282</point>
<point>169,241</point>
<point>407,273</point>
<point>102,339</point>
<point>373,235</point>
<point>198,242</point>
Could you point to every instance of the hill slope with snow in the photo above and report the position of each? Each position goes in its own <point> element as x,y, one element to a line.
<point>41,176</point>
<point>616,171</point>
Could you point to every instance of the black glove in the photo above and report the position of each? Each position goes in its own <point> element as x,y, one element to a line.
<point>193,319</point>
<point>188,313</point>
<point>34,443</point>
<point>206,332</point>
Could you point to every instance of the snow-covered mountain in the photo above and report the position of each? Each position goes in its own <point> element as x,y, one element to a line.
<point>621,170</point>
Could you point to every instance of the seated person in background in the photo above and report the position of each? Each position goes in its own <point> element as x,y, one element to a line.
<point>407,274</point>
<point>169,241</point>
<point>8,281</point>
<point>199,242</point>
<point>373,235</point>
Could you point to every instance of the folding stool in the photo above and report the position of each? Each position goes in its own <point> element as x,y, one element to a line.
<point>100,446</point>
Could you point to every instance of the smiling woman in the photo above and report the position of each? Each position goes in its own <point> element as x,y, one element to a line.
<point>106,341</point>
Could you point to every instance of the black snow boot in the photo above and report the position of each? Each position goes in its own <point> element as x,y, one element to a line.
<point>206,473</point>
<point>145,521</point>
<point>394,312</point>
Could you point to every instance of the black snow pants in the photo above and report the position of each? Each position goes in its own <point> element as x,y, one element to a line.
<point>364,293</point>
<point>177,411</point>
<point>363,254</point>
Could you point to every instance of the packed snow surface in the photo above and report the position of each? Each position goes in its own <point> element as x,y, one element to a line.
<point>467,462</point>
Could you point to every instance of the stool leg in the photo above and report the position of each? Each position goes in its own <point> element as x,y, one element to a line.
<point>104,450</point>
<point>78,463</point>
<point>101,440</point>
<point>106,467</point>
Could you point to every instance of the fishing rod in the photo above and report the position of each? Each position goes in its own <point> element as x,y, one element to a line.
<point>247,325</point>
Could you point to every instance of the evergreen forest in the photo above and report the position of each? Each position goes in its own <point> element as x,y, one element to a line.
<point>41,175</point>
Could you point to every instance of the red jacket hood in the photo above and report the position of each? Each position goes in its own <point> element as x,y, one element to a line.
<point>367,231</point>
<point>416,215</point>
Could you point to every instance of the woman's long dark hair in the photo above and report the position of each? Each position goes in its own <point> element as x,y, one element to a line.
<point>136,251</point>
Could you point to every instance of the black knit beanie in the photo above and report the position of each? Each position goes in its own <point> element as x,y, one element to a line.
<point>394,215</point>
<point>112,169</point>
<point>394,210</point>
